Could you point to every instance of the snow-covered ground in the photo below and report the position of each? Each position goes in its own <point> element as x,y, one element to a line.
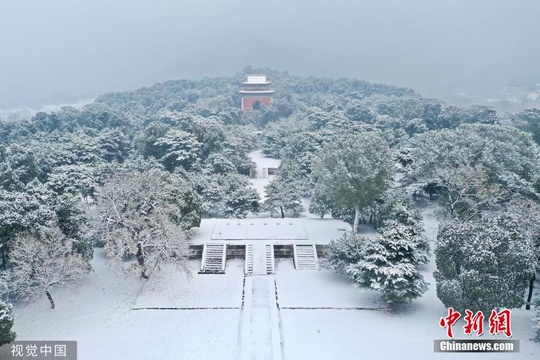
<point>107,316</point>
<point>113,316</point>
<point>259,181</point>
<point>347,333</point>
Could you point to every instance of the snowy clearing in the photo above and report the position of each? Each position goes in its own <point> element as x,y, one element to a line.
<point>177,316</point>
<point>100,318</point>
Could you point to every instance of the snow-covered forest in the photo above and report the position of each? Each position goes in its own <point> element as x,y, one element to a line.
<point>129,178</point>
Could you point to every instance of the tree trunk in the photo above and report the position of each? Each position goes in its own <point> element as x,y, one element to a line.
<point>50,298</point>
<point>356,218</point>
<point>3,258</point>
<point>531,287</point>
<point>140,260</point>
<point>282,212</point>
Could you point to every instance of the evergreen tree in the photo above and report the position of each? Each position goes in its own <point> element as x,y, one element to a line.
<point>320,204</point>
<point>283,196</point>
<point>178,148</point>
<point>531,117</point>
<point>227,195</point>
<point>347,250</point>
<point>507,156</point>
<point>390,265</point>
<point>6,323</point>
<point>483,264</point>
<point>396,213</point>
<point>395,204</point>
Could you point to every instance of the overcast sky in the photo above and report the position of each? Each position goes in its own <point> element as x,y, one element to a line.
<point>86,47</point>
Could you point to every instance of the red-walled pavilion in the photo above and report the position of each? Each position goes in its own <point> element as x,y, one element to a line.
<point>256,93</point>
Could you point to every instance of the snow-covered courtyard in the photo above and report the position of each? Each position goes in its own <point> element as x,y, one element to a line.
<point>290,315</point>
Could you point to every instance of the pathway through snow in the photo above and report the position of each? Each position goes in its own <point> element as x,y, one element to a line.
<point>261,334</point>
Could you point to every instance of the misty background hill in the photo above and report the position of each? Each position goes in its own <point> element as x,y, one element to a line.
<point>62,51</point>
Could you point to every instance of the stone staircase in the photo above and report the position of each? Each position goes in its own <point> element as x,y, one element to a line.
<point>213,259</point>
<point>305,257</point>
<point>259,259</point>
<point>248,265</point>
<point>270,262</point>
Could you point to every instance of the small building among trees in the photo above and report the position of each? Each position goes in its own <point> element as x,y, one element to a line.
<point>256,93</point>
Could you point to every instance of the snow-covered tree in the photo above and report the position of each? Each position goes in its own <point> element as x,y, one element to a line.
<point>217,163</point>
<point>354,171</point>
<point>320,204</point>
<point>79,180</point>
<point>411,233</point>
<point>283,196</point>
<point>395,204</point>
<point>527,214</point>
<point>483,264</point>
<point>239,198</point>
<point>145,215</point>
<point>210,190</point>
<point>20,164</point>
<point>343,213</point>
<point>508,156</point>
<point>178,148</point>
<point>346,250</point>
<point>6,323</point>
<point>357,111</point>
<point>390,265</point>
<point>208,132</point>
<point>531,117</point>
<point>20,212</point>
<point>71,216</point>
<point>298,170</point>
<point>40,261</point>
<point>226,195</point>
<point>466,191</point>
<point>395,213</point>
<point>278,135</point>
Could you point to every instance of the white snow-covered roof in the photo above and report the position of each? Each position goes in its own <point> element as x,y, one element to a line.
<point>273,230</point>
<point>322,231</point>
<point>257,92</point>
<point>259,229</point>
<point>256,79</point>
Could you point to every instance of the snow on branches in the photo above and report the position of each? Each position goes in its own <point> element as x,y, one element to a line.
<point>354,171</point>
<point>483,264</point>
<point>146,215</point>
<point>389,264</point>
<point>6,323</point>
<point>40,261</point>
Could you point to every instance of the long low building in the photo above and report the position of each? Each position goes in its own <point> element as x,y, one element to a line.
<point>260,240</point>
<point>270,230</point>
